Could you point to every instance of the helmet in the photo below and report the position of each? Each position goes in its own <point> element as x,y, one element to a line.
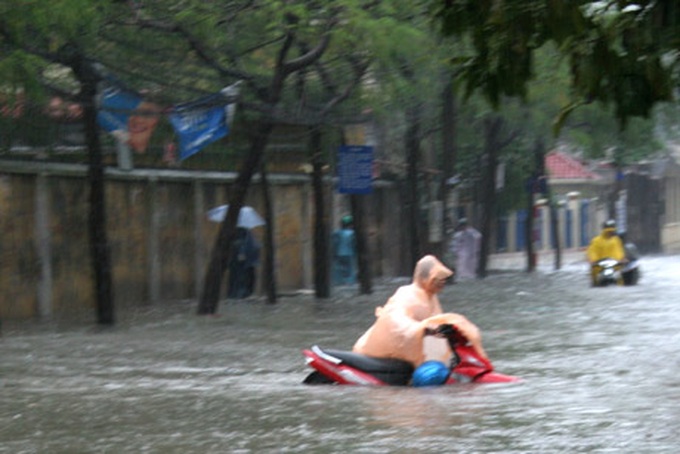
<point>430,373</point>
<point>347,221</point>
<point>610,224</point>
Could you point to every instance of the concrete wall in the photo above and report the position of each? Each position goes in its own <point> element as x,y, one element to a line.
<point>159,234</point>
<point>670,238</point>
<point>19,264</point>
<point>670,231</point>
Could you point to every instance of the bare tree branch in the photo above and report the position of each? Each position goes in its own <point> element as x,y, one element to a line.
<point>360,69</point>
<point>195,45</point>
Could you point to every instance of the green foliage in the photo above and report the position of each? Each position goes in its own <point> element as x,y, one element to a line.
<point>573,67</point>
<point>616,50</point>
<point>33,33</point>
<point>46,26</point>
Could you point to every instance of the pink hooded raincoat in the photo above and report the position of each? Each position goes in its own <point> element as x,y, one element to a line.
<point>399,328</point>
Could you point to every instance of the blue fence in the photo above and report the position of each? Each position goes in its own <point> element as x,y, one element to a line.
<point>575,233</point>
<point>585,209</point>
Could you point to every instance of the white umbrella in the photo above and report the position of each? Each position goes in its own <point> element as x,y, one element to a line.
<point>247,217</point>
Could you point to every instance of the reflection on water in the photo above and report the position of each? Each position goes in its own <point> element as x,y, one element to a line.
<point>600,369</point>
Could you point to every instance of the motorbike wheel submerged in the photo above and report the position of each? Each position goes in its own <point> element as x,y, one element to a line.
<point>348,368</point>
<point>631,270</point>
<point>631,273</point>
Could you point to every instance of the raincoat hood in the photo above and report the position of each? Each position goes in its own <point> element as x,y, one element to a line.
<point>428,272</point>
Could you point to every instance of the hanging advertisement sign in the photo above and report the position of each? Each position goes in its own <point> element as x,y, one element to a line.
<point>198,127</point>
<point>115,107</point>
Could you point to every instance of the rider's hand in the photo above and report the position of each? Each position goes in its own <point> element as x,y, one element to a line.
<point>435,330</point>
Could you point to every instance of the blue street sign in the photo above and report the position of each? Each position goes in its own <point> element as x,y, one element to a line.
<point>355,169</point>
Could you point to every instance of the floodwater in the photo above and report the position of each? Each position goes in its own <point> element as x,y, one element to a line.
<point>601,371</point>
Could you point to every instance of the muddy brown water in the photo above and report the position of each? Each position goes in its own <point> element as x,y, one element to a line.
<point>601,371</point>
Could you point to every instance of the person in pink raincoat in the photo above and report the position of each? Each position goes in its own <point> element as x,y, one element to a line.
<point>399,328</point>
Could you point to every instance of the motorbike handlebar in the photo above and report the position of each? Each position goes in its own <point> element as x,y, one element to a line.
<point>447,331</point>
<point>608,262</point>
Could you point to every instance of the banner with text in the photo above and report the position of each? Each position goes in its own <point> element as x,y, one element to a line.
<point>198,127</point>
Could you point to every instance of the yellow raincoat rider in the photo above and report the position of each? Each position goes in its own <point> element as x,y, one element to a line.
<point>605,245</point>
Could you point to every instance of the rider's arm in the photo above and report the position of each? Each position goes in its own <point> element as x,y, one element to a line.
<point>464,326</point>
<point>593,251</point>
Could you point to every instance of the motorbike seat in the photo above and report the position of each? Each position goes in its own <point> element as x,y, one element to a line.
<point>390,370</point>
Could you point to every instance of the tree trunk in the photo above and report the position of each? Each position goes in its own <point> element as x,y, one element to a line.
<point>363,263</point>
<point>99,246</point>
<point>449,157</point>
<point>493,128</point>
<point>554,227</point>
<point>529,228</point>
<point>269,274</point>
<point>534,188</point>
<point>219,257</point>
<point>616,191</point>
<point>322,260</point>
<point>412,141</point>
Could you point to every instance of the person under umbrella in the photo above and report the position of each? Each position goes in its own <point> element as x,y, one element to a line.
<point>245,256</point>
<point>245,252</point>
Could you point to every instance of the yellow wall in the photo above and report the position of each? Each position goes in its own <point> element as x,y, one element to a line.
<point>158,232</point>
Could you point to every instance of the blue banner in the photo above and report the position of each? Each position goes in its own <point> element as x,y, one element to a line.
<point>198,126</point>
<point>115,108</point>
<point>355,169</point>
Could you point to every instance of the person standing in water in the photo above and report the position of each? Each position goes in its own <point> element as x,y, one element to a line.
<point>465,248</point>
<point>344,253</point>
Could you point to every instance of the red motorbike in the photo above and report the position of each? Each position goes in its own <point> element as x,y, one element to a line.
<point>348,368</point>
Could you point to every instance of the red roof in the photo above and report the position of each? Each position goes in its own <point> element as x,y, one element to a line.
<point>561,166</point>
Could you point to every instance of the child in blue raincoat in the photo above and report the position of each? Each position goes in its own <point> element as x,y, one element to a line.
<point>344,253</point>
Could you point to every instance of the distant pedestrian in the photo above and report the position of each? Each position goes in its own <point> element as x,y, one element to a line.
<point>344,253</point>
<point>242,265</point>
<point>465,247</point>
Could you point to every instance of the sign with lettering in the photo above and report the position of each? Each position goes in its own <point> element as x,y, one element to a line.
<point>355,169</point>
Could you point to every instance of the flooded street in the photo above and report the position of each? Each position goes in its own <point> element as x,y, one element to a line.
<point>601,371</point>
